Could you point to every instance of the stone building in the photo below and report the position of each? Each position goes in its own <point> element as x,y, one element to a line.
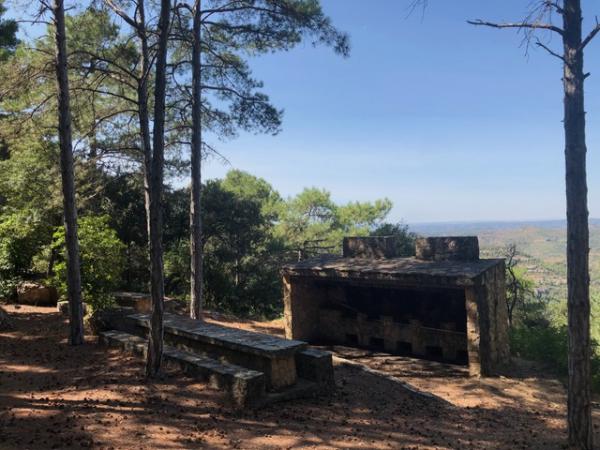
<point>445,304</point>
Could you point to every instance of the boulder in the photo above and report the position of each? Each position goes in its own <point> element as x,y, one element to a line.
<point>63,308</point>
<point>30,293</point>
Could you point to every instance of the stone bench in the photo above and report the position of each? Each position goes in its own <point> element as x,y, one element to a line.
<point>245,387</point>
<point>271,355</point>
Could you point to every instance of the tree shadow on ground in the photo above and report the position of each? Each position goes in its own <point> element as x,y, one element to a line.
<point>56,396</point>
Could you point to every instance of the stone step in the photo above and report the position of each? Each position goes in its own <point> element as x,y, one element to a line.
<point>271,355</point>
<point>245,387</point>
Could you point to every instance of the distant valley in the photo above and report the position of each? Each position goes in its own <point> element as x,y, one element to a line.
<point>542,245</point>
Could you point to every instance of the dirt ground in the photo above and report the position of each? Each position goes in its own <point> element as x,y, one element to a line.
<point>56,396</point>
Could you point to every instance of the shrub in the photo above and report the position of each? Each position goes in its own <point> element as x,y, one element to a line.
<point>8,287</point>
<point>549,345</point>
<point>21,237</point>
<point>102,260</point>
<point>177,268</point>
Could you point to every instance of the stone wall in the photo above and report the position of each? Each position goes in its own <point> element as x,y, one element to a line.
<point>300,309</point>
<point>457,305</point>
<point>370,247</point>
<point>313,313</point>
<point>447,248</point>
<point>487,323</point>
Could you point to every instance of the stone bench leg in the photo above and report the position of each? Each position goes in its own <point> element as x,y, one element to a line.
<point>315,365</point>
<point>282,372</point>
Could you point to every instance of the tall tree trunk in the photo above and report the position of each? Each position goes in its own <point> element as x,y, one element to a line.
<point>196,157</point>
<point>155,341</point>
<point>67,175</point>
<point>579,401</point>
<point>143,113</point>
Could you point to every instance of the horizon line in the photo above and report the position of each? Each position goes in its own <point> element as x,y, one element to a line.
<point>489,221</point>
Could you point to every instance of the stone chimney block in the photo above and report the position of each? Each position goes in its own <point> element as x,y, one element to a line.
<point>370,247</point>
<point>447,248</point>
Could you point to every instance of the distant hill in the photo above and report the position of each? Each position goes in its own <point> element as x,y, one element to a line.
<point>464,228</point>
<point>541,243</point>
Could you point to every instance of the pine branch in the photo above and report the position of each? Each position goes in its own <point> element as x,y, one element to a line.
<point>590,36</point>
<point>519,25</point>
<point>550,51</point>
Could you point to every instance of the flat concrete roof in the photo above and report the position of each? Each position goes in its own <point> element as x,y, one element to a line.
<point>403,271</point>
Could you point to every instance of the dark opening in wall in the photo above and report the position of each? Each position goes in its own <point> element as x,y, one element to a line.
<point>434,352</point>
<point>433,308</point>
<point>404,348</point>
<point>462,357</point>
<point>377,343</point>
<point>351,339</point>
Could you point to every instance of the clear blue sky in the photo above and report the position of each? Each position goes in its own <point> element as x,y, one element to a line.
<point>451,122</point>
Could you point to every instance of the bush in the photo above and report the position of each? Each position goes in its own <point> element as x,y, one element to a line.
<point>102,260</point>
<point>21,237</point>
<point>177,269</point>
<point>8,287</point>
<point>549,345</point>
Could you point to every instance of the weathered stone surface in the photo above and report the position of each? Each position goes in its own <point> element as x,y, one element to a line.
<point>245,387</point>
<point>253,368</point>
<point>315,365</point>
<point>30,293</point>
<point>63,307</point>
<point>487,324</point>
<point>370,247</point>
<point>396,271</point>
<point>140,302</point>
<point>447,248</point>
<point>112,319</point>
<point>451,307</point>
<point>269,354</point>
<point>300,315</point>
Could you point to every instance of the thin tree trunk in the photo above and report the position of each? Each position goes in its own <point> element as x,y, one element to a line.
<point>67,175</point>
<point>155,341</point>
<point>579,399</point>
<point>196,163</point>
<point>50,269</point>
<point>143,113</point>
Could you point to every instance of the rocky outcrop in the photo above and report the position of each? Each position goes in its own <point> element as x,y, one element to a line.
<point>30,293</point>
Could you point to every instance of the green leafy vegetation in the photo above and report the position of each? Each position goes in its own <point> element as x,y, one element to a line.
<point>102,260</point>
<point>249,231</point>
